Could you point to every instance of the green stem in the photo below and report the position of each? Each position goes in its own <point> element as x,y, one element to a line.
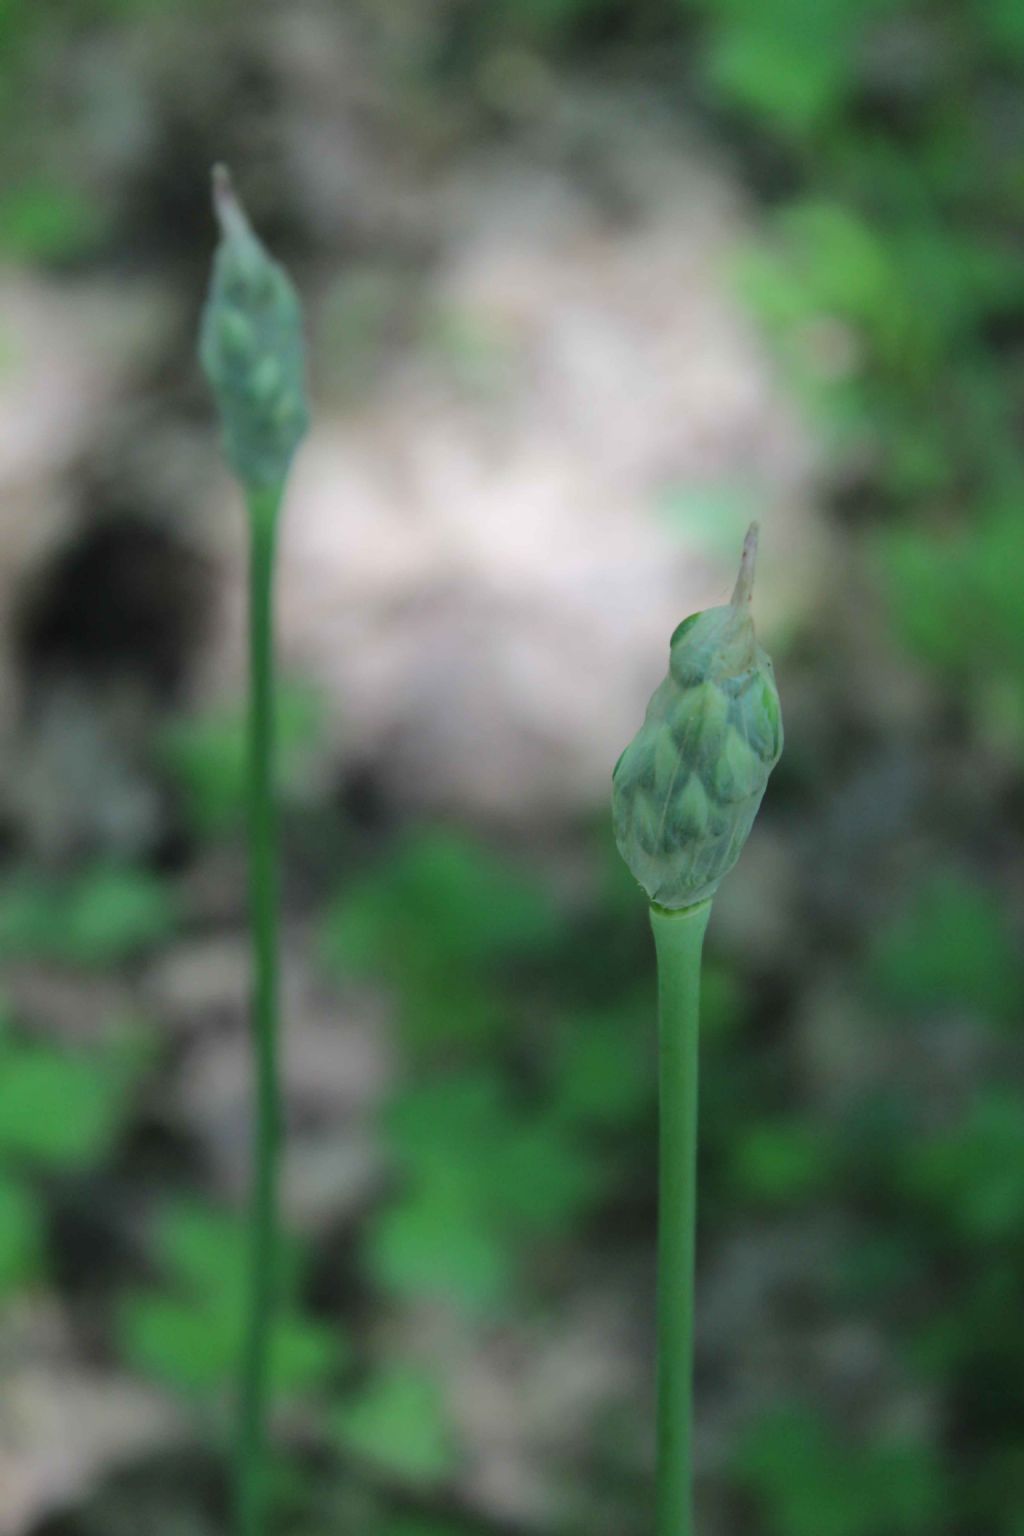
<point>250,1490</point>
<point>678,938</point>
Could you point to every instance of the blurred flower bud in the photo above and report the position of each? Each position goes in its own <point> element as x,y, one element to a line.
<point>687,788</point>
<point>251,349</point>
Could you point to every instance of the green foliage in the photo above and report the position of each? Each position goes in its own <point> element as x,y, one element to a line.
<point>100,917</point>
<point>783,1162</point>
<point>21,1235</point>
<point>723,1005</point>
<point>398,1425</point>
<point>810,1482</point>
<point>417,1525</point>
<point>790,63</point>
<point>881,1263</point>
<point>438,922</point>
<point>826,260</point>
<point>890,281</point>
<point>483,1177</point>
<point>206,757</point>
<point>955,602</point>
<point>61,1110</point>
<point>479,912</point>
<point>975,1329</point>
<point>972,1177</point>
<point>795,67</point>
<point>432,1243</point>
<point>41,221</point>
<point>189,1337</point>
<point>603,1072</point>
<point>950,947</point>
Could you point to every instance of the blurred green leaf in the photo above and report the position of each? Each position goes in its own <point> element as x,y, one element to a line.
<point>190,1337</point>
<point>422,1525</point>
<point>59,1109</point>
<point>828,263</point>
<point>977,1325</point>
<point>434,1242</point>
<point>438,921</point>
<point>100,917</point>
<point>524,1171</point>
<point>950,947</point>
<point>955,599</point>
<point>605,1073</point>
<point>207,1250</point>
<point>542,1181</point>
<point>782,1163</point>
<point>878,1264</point>
<point>795,66</point>
<point>182,1345</point>
<point>974,1175</point>
<point>195,1347</point>
<point>114,912</point>
<point>206,755</point>
<point>809,1482</point>
<point>723,1005</point>
<point>779,73</point>
<point>398,1423</point>
<point>41,221</point>
<point>440,890</point>
<point>1003,22</point>
<point>21,1234</point>
<point>482,1176</point>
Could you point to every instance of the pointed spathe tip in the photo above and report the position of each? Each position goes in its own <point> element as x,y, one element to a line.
<point>230,213</point>
<point>744,588</point>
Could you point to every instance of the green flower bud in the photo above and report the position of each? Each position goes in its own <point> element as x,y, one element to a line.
<point>687,788</point>
<point>251,349</point>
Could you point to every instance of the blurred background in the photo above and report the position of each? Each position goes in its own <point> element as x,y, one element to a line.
<point>589,283</point>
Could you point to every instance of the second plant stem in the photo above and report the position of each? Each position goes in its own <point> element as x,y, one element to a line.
<point>254,1389</point>
<point>679,939</point>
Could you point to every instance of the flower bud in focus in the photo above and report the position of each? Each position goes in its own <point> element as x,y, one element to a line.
<point>687,788</point>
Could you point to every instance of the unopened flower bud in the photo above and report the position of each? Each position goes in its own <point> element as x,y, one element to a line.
<point>687,788</point>
<point>251,349</point>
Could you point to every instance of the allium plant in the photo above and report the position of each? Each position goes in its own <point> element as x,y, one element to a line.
<point>685,794</point>
<point>251,348</point>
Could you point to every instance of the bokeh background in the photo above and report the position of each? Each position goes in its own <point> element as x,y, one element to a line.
<point>590,283</point>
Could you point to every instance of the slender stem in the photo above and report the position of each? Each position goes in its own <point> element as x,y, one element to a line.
<point>250,1491</point>
<point>678,938</point>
